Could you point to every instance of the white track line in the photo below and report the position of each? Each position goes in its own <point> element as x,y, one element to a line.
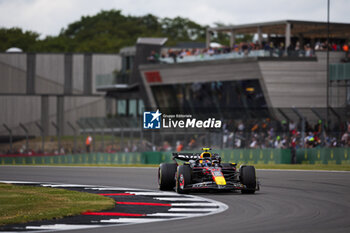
<point>174,215</point>
<point>19,182</point>
<point>133,220</point>
<point>194,204</point>
<point>114,189</point>
<point>178,199</point>
<point>191,209</point>
<point>155,194</point>
<point>61,227</point>
<point>65,185</point>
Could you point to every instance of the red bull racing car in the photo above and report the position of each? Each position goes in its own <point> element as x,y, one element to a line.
<point>205,171</point>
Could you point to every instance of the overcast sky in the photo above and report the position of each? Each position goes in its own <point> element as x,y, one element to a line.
<point>47,17</point>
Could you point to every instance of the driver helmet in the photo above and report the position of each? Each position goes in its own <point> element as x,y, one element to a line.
<point>205,154</point>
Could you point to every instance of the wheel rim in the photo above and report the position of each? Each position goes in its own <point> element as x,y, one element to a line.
<point>182,182</point>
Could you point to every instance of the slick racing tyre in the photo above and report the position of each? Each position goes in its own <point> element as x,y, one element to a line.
<point>248,178</point>
<point>166,176</point>
<point>183,178</point>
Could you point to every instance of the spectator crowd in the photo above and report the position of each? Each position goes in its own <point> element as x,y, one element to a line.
<point>265,133</point>
<point>239,134</point>
<point>276,49</point>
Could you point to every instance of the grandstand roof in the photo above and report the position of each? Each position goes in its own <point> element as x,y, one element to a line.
<point>151,40</point>
<point>312,29</point>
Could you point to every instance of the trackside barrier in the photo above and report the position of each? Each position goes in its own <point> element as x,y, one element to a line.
<point>92,158</point>
<point>256,156</point>
<point>323,156</point>
<point>268,156</point>
<point>250,156</point>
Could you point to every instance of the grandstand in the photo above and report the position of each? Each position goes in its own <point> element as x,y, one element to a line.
<point>282,76</point>
<point>288,31</point>
<point>48,88</point>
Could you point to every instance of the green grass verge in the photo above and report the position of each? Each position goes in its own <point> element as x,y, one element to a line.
<point>333,167</point>
<point>20,204</point>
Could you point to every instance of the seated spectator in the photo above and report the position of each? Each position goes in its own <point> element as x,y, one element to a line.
<point>254,143</point>
<point>179,146</point>
<point>154,58</point>
<point>278,143</point>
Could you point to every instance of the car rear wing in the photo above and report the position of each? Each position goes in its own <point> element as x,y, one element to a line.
<point>186,156</point>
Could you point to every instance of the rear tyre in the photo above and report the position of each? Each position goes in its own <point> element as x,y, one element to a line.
<point>166,176</point>
<point>183,178</point>
<point>248,178</point>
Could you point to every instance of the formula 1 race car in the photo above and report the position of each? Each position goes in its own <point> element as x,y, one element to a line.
<point>205,171</point>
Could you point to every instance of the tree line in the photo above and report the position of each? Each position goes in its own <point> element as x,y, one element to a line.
<point>107,32</point>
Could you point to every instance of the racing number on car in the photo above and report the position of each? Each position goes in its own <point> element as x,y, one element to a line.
<point>217,173</point>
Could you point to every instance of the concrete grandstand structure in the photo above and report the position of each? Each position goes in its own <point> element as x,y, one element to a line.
<point>67,87</point>
<point>289,30</point>
<point>51,87</point>
<point>284,82</point>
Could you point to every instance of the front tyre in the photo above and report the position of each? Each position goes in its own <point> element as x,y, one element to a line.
<point>248,178</point>
<point>166,176</point>
<point>183,178</point>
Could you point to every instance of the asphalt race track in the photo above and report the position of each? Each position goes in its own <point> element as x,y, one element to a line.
<point>289,201</point>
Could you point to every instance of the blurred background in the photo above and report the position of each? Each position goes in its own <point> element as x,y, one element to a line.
<point>76,77</point>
